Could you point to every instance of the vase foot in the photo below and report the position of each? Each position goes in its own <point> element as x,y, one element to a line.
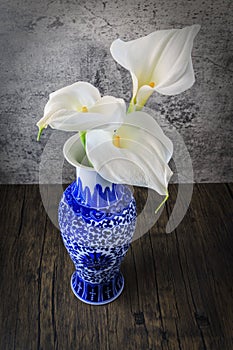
<point>97,294</point>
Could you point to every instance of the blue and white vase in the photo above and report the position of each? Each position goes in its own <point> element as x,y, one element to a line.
<point>97,221</point>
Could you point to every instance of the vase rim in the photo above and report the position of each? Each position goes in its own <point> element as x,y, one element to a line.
<point>72,153</point>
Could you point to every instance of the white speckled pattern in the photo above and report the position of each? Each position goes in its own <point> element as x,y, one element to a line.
<point>46,45</point>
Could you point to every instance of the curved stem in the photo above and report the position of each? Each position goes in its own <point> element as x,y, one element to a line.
<point>162,203</point>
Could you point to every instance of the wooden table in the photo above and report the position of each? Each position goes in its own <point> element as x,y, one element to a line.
<point>178,287</point>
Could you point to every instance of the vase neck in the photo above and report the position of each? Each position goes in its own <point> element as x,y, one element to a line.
<point>92,190</point>
<point>88,177</point>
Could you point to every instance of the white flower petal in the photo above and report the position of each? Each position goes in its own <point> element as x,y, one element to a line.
<point>139,56</point>
<point>81,92</point>
<point>107,113</point>
<point>141,160</point>
<point>77,121</point>
<point>113,108</point>
<point>145,126</point>
<point>183,83</point>
<point>64,109</point>
<point>70,99</point>
<point>175,62</point>
<point>162,58</point>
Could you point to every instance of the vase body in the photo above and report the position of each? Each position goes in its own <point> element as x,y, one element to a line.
<point>97,222</point>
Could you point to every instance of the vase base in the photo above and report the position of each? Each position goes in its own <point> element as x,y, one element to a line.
<point>97,294</point>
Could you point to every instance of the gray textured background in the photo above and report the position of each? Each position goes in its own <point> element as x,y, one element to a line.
<point>46,45</point>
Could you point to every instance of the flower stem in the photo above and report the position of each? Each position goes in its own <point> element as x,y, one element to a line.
<point>134,107</point>
<point>83,141</point>
<point>39,133</point>
<point>162,203</point>
<point>131,107</point>
<point>83,138</point>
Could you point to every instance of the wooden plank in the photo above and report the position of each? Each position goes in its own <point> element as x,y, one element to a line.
<point>147,305</point>
<point>11,222</point>
<point>174,301</point>
<point>178,286</point>
<point>145,326</point>
<point>22,224</point>
<point>205,263</point>
<point>230,188</point>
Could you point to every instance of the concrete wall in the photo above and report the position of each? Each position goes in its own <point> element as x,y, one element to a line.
<point>48,44</point>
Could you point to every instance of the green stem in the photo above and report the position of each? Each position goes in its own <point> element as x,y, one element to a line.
<point>39,133</point>
<point>162,203</point>
<point>131,107</point>
<point>83,141</point>
<point>83,138</point>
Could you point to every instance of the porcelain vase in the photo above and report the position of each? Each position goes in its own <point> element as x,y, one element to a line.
<point>97,221</point>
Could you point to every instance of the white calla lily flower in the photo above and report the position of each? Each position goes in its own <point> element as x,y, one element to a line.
<point>160,61</point>
<point>137,154</point>
<point>80,107</point>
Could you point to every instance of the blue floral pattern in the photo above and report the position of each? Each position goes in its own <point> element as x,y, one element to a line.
<point>97,229</point>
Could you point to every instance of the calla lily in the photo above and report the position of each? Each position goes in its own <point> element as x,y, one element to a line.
<point>160,61</point>
<point>137,154</point>
<point>80,107</point>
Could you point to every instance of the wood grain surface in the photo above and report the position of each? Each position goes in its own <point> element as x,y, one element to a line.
<point>178,287</point>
